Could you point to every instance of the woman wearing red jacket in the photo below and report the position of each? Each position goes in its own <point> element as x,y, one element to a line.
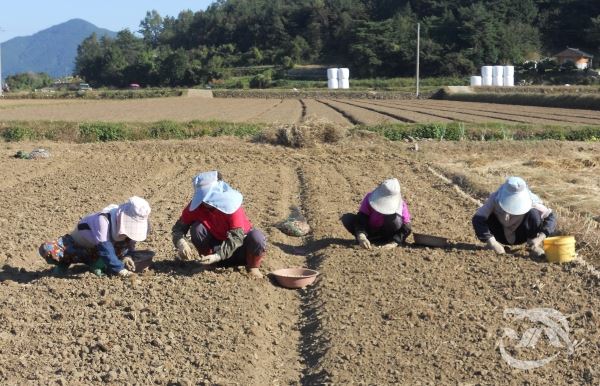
<point>219,227</point>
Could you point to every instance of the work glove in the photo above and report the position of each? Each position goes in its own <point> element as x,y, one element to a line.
<point>129,264</point>
<point>363,241</point>
<point>210,259</point>
<point>389,246</point>
<point>184,251</point>
<point>124,273</point>
<point>495,246</point>
<point>536,245</point>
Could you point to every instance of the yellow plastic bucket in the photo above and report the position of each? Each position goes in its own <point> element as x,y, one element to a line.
<point>560,249</point>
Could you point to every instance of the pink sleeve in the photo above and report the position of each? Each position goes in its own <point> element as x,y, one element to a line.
<point>365,207</point>
<point>405,213</point>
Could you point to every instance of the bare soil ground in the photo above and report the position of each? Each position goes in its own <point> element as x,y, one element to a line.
<point>285,111</point>
<point>412,315</point>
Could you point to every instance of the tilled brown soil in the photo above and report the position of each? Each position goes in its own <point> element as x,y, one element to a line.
<point>412,315</point>
<point>286,111</point>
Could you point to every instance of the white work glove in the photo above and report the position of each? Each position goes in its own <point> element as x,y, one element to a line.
<point>495,246</point>
<point>536,245</point>
<point>129,264</point>
<point>363,241</point>
<point>124,273</point>
<point>389,246</point>
<point>184,251</point>
<point>210,259</point>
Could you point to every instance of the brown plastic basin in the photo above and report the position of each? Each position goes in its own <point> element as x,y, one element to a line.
<point>295,277</point>
<point>142,259</point>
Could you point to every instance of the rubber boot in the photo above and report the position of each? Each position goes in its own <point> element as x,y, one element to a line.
<point>98,268</point>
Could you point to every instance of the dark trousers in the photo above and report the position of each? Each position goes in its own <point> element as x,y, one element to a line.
<point>530,227</point>
<point>391,226</point>
<point>249,254</point>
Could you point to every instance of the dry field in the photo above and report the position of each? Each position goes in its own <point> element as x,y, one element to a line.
<point>412,315</point>
<point>344,112</point>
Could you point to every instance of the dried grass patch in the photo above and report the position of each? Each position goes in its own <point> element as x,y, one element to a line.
<point>305,134</point>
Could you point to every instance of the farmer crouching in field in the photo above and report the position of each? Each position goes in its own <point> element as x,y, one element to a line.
<point>383,217</point>
<point>102,240</point>
<point>219,227</point>
<point>513,215</point>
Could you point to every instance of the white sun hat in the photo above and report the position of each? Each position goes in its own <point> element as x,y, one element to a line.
<point>131,218</point>
<point>386,198</point>
<point>514,196</point>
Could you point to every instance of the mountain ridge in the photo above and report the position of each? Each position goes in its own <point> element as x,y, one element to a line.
<point>51,50</point>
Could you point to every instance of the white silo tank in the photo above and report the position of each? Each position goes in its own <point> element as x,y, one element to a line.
<point>476,81</point>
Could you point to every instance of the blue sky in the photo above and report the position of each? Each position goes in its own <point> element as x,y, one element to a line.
<point>26,17</point>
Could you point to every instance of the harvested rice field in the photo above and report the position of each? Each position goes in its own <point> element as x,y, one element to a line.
<point>411,315</point>
<point>340,111</point>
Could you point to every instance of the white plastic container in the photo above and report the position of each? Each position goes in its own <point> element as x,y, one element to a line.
<point>344,83</point>
<point>332,83</point>
<point>509,71</point>
<point>487,81</point>
<point>509,81</point>
<point>332,73</point>
<point>486,71</point>
<point>498,71</point>
<point>343,73</point>
<point>476,81</point>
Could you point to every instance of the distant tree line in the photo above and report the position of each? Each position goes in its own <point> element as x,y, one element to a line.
<point>372,37</point>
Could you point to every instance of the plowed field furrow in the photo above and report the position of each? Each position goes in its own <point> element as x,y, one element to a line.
<point>394,115</point>
<point>419,115</point>
<point>541,117</point>
<point>274,106</point>
<point>449,115</point>
<point>413,307</point>
<point>359,115</point>
<point>411,315</point>
<point>572,113</point>
<point>290,111</point>
<point>143,110</point>
<point>318,110</point>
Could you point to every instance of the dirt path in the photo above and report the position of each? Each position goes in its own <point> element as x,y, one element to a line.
<point>412,315</point>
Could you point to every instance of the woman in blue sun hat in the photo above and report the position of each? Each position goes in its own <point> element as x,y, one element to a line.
<point>514,215</point>
<point>219,227</point>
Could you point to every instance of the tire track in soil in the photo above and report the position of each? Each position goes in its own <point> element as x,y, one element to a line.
<point>496,115</point>
<point>353,120</point>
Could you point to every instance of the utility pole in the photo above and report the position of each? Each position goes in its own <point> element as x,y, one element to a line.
<point>418,54</point>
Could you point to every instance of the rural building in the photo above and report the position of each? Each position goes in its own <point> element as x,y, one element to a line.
<point>581,59</point>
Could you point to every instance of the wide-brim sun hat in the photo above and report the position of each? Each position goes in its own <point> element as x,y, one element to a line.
<point>204,184</point>
<point>386,198</point>
<point>131,218</point>
<point>514,196</point>
<point>215,193</point>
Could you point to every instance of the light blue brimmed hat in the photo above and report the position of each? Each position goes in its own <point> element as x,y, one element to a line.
<point>514,196</point>
<point>218,194</point>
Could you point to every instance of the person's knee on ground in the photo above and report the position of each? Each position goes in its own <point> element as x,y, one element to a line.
<point>202,239</point>
<point>256,246</point>
<point>348,220</point>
